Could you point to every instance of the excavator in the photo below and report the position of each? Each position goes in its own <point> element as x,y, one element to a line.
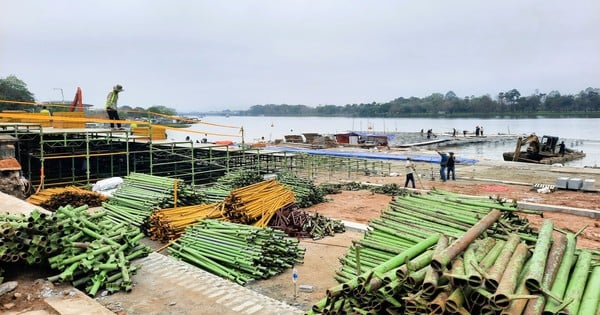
<point>544,151</point>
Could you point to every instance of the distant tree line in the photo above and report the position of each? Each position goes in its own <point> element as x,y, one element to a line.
<point>505,103</point>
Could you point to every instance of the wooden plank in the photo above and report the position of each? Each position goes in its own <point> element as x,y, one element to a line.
<point>76,304</point>
<point>15,205</point>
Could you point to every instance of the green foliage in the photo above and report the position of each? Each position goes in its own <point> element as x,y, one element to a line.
<point>510,102</point>
<point>160,109</point>
<point>13,89</point>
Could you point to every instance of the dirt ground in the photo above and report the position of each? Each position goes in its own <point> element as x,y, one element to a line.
<point>321,259</point>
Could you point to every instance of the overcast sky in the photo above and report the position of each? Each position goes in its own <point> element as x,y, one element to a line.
<point>213,55</point>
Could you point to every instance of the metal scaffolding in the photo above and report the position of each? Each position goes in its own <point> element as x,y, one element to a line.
<point>82,156</point>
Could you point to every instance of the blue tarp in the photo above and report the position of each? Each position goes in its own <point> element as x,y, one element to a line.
<point>372,155</point>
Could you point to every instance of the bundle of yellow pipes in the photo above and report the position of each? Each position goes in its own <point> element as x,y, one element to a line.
<point>53,198</point>
<point>168,224</point>
<point>256,204</point>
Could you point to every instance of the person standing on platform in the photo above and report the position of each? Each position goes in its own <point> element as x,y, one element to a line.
<point>450,165</point>
<point>45,111</point>
<point>561,148</point>
<point>410,169</point>
<point>443,165</point>
<point>111,105</point>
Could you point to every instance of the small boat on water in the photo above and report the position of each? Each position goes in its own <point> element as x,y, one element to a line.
<point>547,151</point>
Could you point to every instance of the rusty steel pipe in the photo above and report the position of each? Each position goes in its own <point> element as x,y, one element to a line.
<point>438,305</point>
<point>533,278</point>
<point>417,263</point>
<point>492,255</point>
<point>392,263</point>
<point>432,277</point>
<point>561,279</point>
<point>555,256</point>
<point>483,247</point>
<point>473,276</point>
<point>576,286</point>
<point>414,305</point>
<point>439,262</point>
<point>480,297</point>
<point>504,293</point>
<point>455,301</point>
<point>494,273</point>
<point>457,273</point>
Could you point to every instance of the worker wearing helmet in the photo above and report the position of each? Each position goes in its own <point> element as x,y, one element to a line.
<point>111,105</point>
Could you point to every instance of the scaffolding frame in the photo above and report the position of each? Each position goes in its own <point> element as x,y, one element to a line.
<point>59,157</point>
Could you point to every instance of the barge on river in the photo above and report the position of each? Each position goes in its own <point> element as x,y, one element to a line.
<point>546,151</point>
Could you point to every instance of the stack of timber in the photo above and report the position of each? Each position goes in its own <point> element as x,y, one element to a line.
<point>54,198</point>
<point>454,254</point>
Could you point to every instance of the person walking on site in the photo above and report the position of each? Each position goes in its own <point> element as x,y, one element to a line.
<point>410,169</point>
<point>450,165</point>
<point>443,164</point>
<point>111,105</point>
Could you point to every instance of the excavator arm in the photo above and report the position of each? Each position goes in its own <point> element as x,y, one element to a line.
<point>531,140</point>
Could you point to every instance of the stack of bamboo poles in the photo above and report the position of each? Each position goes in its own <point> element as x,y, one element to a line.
<point>306,192</point>
<point>256,204</point>
<point>84,248</point>
<point>141,194</point>
<point>496,265</point>
<point>237,252</point>
<point>169,224</point>
<point>54,198</point>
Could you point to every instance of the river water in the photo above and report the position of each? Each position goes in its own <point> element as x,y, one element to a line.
<point>578,133</point>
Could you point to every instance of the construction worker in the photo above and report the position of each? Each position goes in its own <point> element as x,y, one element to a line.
<point>443,165</point>
<point>45,111</point>
<point>410,169</point>
<point>111,105</point>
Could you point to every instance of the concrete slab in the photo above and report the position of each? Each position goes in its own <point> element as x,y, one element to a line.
<point>76,304</point>
<point>15,205</point>
<point>164,285</point>
<point>562,209</point>
<point>355,226</point>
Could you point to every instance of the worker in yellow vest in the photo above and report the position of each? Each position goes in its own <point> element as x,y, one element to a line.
<point>111,105</point>
<point>45,111</point>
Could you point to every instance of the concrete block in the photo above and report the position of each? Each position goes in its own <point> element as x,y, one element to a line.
<point>588,184</point>
<point>306,288</point>
<point>575,183</point>
<point>562,182</point>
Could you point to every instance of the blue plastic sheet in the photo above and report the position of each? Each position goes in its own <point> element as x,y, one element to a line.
<point>372,155</point>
